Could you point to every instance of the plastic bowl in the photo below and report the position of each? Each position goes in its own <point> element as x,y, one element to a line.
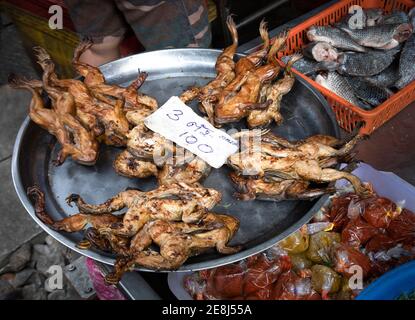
<point>392,284</point>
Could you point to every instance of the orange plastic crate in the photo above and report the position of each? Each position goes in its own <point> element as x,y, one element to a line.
<point>347,114</point>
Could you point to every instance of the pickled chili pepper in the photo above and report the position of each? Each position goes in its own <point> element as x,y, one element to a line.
<point>320,246</point>
<point>380,242</point>
<point>379,212</point>
<point>345,257</point>
<point>325,280</point>
<point>297,242</point>
<point>403,227</point>
<point>357,232</point>
<point>300,264</point>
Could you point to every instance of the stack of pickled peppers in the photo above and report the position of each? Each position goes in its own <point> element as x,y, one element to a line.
<point>347,245</point>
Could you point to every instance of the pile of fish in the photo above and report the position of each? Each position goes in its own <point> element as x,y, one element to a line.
<point>364,65</point>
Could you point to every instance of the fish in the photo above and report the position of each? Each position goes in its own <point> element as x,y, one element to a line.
<point>362,64</point>
<point>340,86</point>
<point>336,37</point>
<point>407,63</point>
<point>320,51</point>
<point>373,16</point>
<point>411,16</point>
<point>370,17</point>
<point>368,92</point>
<point>384,36</point>
<point>387,77</point>
<point>395,17</point>
<point>307,66</point>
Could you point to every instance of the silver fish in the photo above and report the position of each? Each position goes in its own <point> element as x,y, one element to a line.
<point>387,77</point>
<point>407,63</point>
<point>411,16</point>
<point>395,17</point>
<point>320,51</point>
<point>336,37</point>
<point>384,36</point>
<point>307,66</point>
<point>369,17</point>
<point>368,92</point>
<point>365,64</point>
<point>373,16</point>
<point>339,85</point>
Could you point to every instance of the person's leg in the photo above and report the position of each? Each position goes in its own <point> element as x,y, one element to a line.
<point>103,23</point>
<point>168,24</point>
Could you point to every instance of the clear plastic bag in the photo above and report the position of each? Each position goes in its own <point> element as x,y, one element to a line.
<point>357,232</point>
<point>252,278</point>
<point>320,246</point>
<point>292,287</point>
<point>379,211</point>
<point>345,257</point>
<point>325,280</point>
<point>297,242</point>
<point>402,228</point>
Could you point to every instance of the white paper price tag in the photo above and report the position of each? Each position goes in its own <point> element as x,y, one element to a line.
<point>180,124</point>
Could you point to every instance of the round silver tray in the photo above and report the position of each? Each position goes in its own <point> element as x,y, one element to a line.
<point>263,223</point>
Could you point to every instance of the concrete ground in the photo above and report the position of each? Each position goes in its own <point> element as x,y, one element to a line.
<point>17,227</point>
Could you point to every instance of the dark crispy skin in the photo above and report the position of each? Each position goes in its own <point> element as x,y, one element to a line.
<point>127,165</point>
<point>249,189</point>
<point>60,121</point>
<point>177,241</point>
<point>147,145</point>
<point>74,223</point>
<point>108,243</point>
<point>98,116</point>
<point>188,172</point>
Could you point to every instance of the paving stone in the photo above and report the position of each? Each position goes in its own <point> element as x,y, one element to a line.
<point>33,292</point>
<point>18,259</point>
<point>7,292</point>
<point>13,52</point>
<point>16,226</point>
<point>14,109</point>
<point>22,277</point>
<point>46,256</point>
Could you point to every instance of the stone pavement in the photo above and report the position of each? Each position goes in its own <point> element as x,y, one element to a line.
<point>17,227</point>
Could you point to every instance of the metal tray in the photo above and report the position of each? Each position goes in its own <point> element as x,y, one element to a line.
<point>170,72</point>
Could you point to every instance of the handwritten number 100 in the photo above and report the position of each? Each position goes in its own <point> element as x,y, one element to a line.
<point>205,148</point>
